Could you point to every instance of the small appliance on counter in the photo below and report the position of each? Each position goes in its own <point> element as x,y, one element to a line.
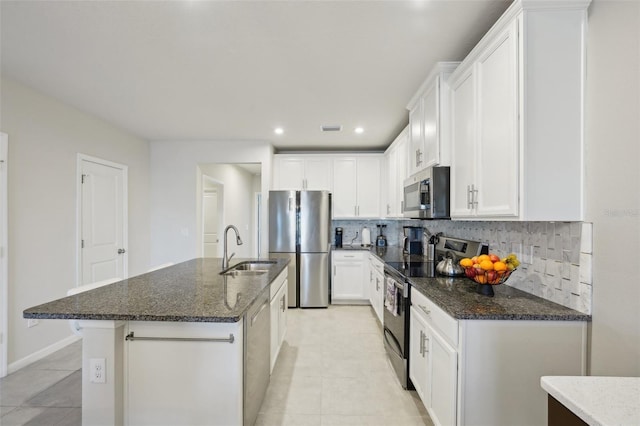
<point>338,237</point>
<point>381,240</point>
<point>366,237</point>
<point>412,243</point>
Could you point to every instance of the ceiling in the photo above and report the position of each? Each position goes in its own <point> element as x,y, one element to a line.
<point>236,70</point>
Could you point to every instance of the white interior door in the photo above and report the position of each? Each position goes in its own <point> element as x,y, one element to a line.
<point>4,292</point>
<point>210,237</point>
<point>103,216</point>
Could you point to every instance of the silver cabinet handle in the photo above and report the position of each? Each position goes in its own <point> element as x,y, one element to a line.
<point>469,203</point>
<point>474,196</point>
<point>282,304</point>
<point>425,310</point>
<point>355,210</point>
<point>130,337</point>
<point>425,344</point>
<point>334,270</point>
<point>422,343</point>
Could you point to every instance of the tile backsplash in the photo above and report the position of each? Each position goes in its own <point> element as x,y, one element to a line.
<point>555,256</point>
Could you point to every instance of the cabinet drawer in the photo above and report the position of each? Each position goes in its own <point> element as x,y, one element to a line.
<point>436,317</point>
<point>349,255</point>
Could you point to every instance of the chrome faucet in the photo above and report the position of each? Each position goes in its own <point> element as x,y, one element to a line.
<point>225,259</point>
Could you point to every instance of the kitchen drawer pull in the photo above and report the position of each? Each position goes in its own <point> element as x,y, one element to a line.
<point>426,311</point>
<point>130,337</point>
<point>421,349</point>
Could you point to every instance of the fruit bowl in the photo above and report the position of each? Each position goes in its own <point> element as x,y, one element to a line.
<point>487,277</point>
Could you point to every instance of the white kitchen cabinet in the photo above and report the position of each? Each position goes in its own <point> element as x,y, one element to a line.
<point>309,172</point>
<point>376,285</point>
<point>434,358</point>
<point>396,172</point>
<point>181,382</point>
<point>485,149</point>
<point>518,117</point>
<point>356,186</point>
<point>479,372</point>
<point>348,281</point>
<point>429,122</point>
<point>279,304</point>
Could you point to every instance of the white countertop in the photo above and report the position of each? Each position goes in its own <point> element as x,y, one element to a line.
<point>598,400</point>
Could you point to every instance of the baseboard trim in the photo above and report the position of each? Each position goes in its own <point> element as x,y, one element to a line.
<point>37,356</point>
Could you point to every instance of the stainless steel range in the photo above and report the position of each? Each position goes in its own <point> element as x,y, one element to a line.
<point>397,301</point>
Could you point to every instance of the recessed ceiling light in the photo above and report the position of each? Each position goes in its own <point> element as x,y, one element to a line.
<point>359,130</point>
<point>278,130</point>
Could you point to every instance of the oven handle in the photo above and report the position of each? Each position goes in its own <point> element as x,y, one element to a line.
<point>392,343</point>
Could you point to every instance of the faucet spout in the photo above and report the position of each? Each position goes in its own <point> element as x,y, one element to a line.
<point>225,258</point>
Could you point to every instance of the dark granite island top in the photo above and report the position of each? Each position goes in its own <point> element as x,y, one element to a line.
<point>191,291</point>
<point>458,296</point>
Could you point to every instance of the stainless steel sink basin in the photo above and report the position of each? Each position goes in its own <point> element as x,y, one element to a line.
<point>249,267</point>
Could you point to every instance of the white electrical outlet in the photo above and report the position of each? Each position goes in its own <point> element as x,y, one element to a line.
<point>97,370</point>
<point>32,322</point>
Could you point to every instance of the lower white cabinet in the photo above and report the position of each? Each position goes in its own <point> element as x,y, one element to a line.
<point>376,285</point>
<point>348,277</point>
<point>183,382</point>
<point>279,304</point>
<point>487,372</point>
<point>433,361</point>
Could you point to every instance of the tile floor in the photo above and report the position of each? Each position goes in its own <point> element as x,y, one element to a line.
<point>332,370</point>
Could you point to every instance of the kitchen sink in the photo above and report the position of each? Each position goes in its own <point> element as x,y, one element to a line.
<point>249,268</point>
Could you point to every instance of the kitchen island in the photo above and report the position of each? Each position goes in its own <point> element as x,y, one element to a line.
<point>170,346</point>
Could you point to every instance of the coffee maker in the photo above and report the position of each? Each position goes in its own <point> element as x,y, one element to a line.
<point>413,240</point>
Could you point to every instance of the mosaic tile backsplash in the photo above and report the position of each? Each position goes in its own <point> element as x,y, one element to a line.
<point>555,256</point>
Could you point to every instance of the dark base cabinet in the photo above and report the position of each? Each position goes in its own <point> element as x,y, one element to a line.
<point>559,415</point>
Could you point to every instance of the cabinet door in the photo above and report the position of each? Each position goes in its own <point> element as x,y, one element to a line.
<point>317,174</point>
<point>344,197</point>
<point>417,353</point>
<point>402,170</point>
<point>289,173</point>
<point>379,299</point>
<point>497,154</point>
<point>462,146</point>
<point>416,137</point>
<point>431,126</point>
<point>391,184</point>
<point>348,280</point>
<point>443,377</point>
<point>368,186</point>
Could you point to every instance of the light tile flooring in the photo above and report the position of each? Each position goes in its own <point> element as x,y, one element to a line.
<point>332,370</point>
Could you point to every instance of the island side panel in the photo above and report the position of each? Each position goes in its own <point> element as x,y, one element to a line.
<point>501,363</point>
<point>184,382</point>
<point>103,403</point>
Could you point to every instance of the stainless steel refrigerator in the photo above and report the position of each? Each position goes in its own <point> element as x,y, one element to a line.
<point>300,229</point>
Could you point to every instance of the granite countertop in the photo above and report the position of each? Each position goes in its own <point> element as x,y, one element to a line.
<point>597,400</point>
<point>192,291</point>
<point>458,296</point>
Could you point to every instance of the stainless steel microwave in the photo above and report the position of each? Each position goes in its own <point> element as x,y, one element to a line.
<point>426,194</point>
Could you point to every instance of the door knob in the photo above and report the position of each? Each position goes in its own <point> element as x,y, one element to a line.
<point>121,251</point>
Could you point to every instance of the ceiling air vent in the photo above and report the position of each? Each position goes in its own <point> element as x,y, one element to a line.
<point>331,128</point>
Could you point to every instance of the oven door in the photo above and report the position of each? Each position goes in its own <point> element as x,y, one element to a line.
<point>396,339</point>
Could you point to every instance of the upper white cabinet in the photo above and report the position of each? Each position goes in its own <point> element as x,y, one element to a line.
<point>485,152</point>
<point>517,117</point>
<point>429,120</point>
<point>356,186</point>
<point>396,172</point>
<point>296,172</point>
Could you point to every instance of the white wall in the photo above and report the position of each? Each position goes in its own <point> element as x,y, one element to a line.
<point>613,182</point>
<point>175,196</point>
<point>45,137</point>
<point>237,202</point>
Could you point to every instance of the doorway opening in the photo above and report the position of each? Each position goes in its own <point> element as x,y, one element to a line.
<point>227,196</point>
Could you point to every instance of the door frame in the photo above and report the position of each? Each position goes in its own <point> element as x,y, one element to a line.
<point>4,254</point>
<point>125,211</point>
<point>220,206</point>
